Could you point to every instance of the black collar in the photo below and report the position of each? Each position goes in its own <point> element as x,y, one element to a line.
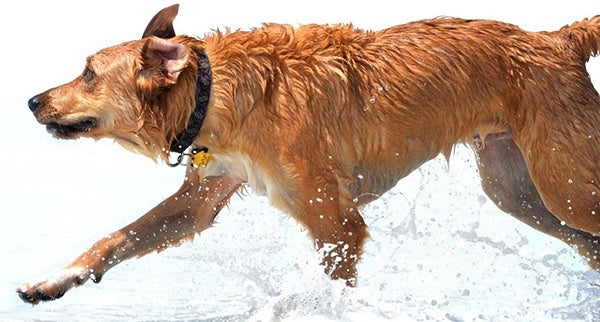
<point>185,138</point>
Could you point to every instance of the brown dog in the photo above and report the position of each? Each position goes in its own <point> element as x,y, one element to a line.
<point>323,119</point>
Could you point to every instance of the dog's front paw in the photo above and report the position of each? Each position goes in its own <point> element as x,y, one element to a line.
<point>55,286</point>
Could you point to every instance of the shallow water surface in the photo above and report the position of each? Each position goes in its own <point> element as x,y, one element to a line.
<point>439,250</point>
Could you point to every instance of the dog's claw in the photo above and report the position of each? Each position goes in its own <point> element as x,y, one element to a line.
<point>59,295</point>
<point>43,296</point>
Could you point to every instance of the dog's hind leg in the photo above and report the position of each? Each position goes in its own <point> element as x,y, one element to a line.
<point>187,212</point>
<point>506,181</point>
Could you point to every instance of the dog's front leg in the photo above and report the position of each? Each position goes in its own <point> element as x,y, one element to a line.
<point>190,210</point>
<point>325,207</point>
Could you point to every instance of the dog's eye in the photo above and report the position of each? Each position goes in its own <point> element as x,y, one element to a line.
<point>88,74</point>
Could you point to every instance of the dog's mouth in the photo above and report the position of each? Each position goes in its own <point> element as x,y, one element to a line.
<point>69,130</point>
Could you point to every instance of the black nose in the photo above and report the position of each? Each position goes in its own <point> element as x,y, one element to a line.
<point>35,103</point>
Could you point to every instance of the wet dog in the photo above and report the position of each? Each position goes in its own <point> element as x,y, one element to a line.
<point>323,119</point>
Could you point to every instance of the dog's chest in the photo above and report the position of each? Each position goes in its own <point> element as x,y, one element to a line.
<point>238,166</point>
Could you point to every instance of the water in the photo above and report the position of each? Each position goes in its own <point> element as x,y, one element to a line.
<point>439,250</point>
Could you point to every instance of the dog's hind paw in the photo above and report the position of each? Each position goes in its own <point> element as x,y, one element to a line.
<point>55,286</point>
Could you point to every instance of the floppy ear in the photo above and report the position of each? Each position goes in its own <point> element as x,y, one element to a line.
<point>162,24</point>
<point>162,61</point>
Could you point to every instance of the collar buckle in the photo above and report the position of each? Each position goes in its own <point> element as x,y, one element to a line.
<point>198,158</point>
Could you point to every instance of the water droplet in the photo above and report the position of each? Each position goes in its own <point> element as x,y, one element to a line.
<point>372,100</point>
<point>360,176</point>
<point>482,199</point>
<point>563,222</point>
<point>379,89</point>
<point>570,181</point>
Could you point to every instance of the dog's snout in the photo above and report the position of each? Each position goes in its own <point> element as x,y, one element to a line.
<point>35,103</point>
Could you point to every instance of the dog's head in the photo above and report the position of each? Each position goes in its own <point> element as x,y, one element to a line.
<point>110,98</point>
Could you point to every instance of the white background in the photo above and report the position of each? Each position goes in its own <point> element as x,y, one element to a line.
<point>439,249</point>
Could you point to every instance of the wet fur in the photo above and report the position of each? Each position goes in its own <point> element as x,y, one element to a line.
<point>325,118</point>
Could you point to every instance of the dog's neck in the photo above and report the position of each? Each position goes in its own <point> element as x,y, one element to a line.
<point>186,137</point>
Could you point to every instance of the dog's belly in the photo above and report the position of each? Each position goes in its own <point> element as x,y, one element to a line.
<point>371,182</point>
<point>380,166</point>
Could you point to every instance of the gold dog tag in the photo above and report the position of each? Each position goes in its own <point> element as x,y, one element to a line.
<point>201,159</point>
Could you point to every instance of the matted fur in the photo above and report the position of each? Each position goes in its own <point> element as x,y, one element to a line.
<point>325,118</point>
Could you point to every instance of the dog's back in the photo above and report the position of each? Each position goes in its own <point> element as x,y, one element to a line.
<point>458,77</point>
